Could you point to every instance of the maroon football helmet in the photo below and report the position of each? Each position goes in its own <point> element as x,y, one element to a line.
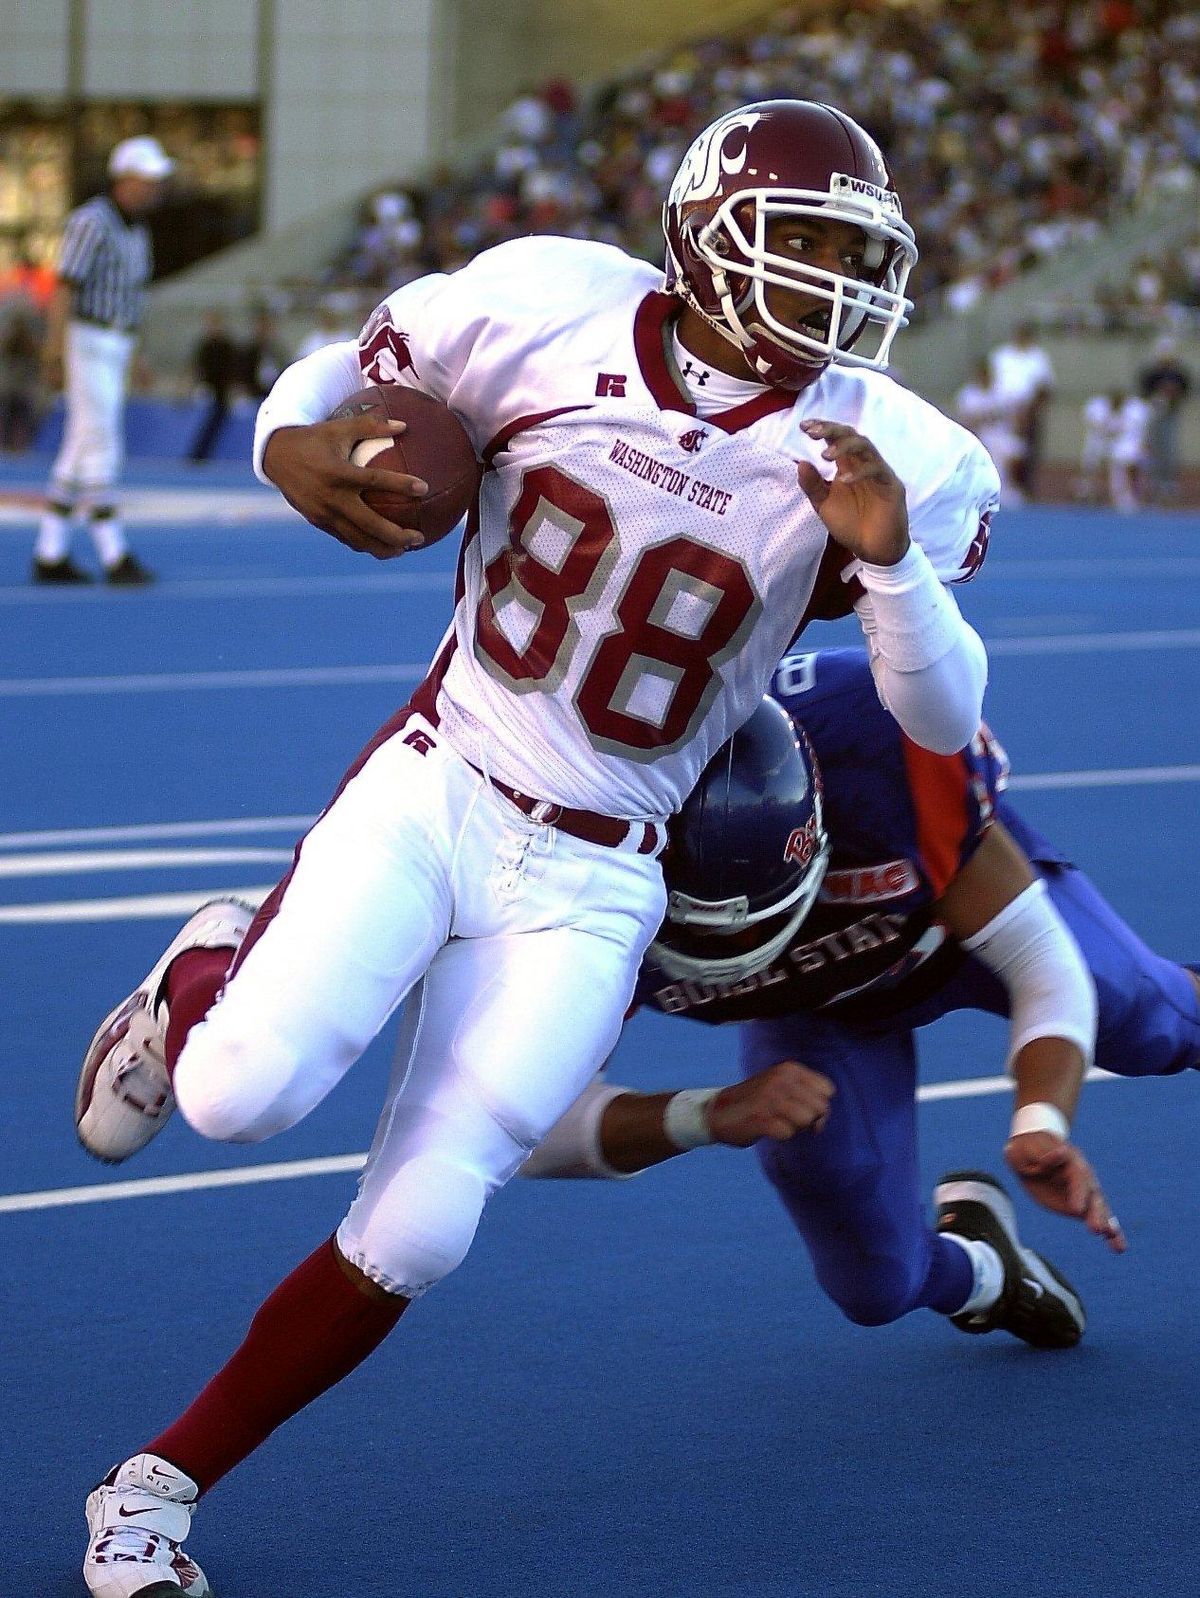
<point>799,159</point>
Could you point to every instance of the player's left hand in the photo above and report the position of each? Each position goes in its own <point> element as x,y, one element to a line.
<point>1059,1177</point>
<point>863,505</point>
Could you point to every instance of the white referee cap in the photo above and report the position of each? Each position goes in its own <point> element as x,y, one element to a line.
<point>142,157</point>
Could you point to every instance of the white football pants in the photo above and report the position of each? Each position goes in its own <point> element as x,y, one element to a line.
<point>522,944</point>
<point>96,361</point>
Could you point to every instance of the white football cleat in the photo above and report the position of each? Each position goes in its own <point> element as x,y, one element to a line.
<point>136,1524</point>
<point>124,1095</point>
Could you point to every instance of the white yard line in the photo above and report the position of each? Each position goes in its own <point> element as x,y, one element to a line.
<point>372,582</point>
<point>339,1164</point>
<point>141,907</point>
<point>62,837</point>
<point>1116,777</point>
<point>172,682</point>
<point>1094,643</point>
<point>1111,777</point>
<point>413,671</point>
<point>60,864</point>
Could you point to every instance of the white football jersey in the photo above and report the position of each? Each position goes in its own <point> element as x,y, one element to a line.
<point>633,574</point>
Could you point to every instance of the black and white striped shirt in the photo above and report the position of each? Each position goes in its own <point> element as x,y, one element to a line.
<point>107,262</point>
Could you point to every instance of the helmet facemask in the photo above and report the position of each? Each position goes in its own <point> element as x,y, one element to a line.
<point>743,267</point>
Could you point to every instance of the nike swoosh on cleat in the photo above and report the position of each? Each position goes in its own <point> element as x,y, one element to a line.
<point>150,1509</point>
<point>1034,1287</point>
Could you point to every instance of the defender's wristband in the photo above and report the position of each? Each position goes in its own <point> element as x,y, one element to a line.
<point>685,1119</point>
<point>1040,1117</point>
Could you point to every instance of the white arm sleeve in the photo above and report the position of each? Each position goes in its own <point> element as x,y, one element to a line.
<point>929,665</point>
<point>572,1145</point>
<point>307,391</point>
<point>1050,989</point>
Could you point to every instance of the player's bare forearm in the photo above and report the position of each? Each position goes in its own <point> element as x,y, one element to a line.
<point>311,467</point>
<point>777,1103</point>
<point>1049,1070</point>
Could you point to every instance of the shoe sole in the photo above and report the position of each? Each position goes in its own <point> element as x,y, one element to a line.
<point>978,1188</point>
<point>107,1033</point>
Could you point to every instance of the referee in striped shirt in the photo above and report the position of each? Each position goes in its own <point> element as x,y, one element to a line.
<point>104,265</point>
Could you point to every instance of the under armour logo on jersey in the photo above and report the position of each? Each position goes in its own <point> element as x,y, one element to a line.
<point>383,351</point>
<point>420,741</point>
<point>610,385</point>
<point>698,374</point>
<point>691,441</point>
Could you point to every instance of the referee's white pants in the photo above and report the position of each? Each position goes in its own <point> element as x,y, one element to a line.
<point>520,945</point>
<point>92,452</point>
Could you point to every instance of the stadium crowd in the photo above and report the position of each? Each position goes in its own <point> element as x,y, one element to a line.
<point>1016,128</point>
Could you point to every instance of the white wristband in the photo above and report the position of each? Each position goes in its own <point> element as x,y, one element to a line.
<point>685,1119</point>
<point>1040,1118</point>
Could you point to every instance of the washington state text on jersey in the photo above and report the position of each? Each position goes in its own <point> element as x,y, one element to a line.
<point>659,475</point>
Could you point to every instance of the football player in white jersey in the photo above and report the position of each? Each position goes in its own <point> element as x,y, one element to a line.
<point>682,471</point>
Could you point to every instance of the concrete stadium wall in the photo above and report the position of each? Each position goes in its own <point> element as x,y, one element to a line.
<point>499,48</point>
<point>350,94</point>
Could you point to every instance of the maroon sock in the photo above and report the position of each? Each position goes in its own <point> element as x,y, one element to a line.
<point>313,1330</point>
<point>194,979</point>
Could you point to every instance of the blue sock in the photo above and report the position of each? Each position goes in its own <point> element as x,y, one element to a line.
<point>951,1278</point>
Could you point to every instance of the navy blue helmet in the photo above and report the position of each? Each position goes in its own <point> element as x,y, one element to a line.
<point>746,856</point>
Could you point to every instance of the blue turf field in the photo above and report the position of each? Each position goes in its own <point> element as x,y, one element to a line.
<point>628,1389</point>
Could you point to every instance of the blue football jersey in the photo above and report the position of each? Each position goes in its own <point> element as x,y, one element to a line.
<point>902,822</point>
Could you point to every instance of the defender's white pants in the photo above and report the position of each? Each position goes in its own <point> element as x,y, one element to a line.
<point>522,945</point>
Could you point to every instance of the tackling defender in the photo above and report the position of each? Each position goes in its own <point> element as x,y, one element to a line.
<point>837,902</point>
<point>683,470</point>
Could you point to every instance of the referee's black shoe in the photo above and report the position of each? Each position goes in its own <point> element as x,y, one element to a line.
<point>58,571</point>
<point>128,572</point>
<point>1037,1303</point>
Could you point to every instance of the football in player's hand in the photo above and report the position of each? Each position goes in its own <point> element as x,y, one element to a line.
<point>434,446</point>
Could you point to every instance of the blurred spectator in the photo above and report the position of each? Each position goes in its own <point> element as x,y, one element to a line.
<point>1165,384</point>
<point>1147,292</point>
<point>216,363</point>
<point>1099,433</point>
<point>1014,131</point>
<point>20,363</point>
<point>1023,379</point>
<point>979,406</point>
<point>261,357</point>
<point>1112,466</point>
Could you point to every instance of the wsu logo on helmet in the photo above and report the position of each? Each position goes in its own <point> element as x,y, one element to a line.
<point>712,157</point>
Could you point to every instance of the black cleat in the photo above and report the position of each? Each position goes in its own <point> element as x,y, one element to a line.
<point>58,571</point>
<point>128,572</point>
<point>1038,1304</point>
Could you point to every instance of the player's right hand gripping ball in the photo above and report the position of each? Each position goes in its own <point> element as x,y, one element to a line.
<point>434,446</point>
